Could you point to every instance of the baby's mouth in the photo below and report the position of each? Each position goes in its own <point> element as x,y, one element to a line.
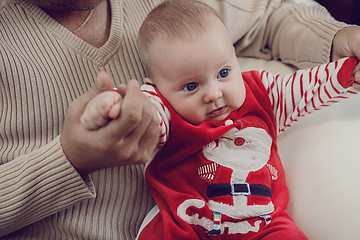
<point>217,111</point>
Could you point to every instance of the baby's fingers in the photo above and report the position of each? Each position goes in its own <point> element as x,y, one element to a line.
<point>93,117</point>
<point>357,77</point>
<point>356,84</point>
<point>114,111</point>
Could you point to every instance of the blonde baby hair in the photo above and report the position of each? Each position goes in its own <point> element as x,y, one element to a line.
<point>175,19</point>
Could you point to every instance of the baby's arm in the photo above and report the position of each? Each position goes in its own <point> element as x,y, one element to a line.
<point>101,109</point>
<point>295,95</point>
<point>164,114</point>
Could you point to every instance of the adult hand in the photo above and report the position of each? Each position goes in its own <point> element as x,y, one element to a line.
<point>129,139</point>
<point>346,43</point>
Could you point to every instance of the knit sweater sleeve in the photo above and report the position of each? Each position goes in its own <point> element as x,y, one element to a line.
<point>295,33</point>
<point>39,184</point>
<point>295,95</point>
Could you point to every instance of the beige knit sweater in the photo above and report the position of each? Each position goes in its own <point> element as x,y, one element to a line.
<point>43,67</point>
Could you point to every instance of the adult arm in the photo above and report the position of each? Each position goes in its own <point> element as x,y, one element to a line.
<point>295,33</point>
<point>39,184</point>
<point>54,177</point>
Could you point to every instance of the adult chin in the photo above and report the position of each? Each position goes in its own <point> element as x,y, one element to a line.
<point>67,5</point>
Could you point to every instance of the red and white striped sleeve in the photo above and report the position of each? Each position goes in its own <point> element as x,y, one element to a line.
<point>295,95</point>
<point>163,112</point>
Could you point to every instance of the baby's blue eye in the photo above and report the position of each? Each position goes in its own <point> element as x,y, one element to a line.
<point>223,73</point>
<point>190,86</point>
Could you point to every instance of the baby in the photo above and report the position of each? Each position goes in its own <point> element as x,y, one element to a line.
<point>216,173</point>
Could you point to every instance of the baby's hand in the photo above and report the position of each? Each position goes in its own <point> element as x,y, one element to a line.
<point>101,109</point>
<point>356,73</point>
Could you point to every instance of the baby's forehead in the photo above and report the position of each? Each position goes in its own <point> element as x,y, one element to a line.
<point>187,32</point>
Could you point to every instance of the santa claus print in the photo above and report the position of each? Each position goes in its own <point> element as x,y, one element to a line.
<point>243,155</point>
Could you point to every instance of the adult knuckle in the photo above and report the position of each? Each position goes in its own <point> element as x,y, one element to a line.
<point>132,116</point>
<point>156,124</point>
<point>148,116</point>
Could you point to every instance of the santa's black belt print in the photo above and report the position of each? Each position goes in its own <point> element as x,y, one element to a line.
<point>216,190</point>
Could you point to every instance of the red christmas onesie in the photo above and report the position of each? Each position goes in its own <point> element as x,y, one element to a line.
<point>225,180</point>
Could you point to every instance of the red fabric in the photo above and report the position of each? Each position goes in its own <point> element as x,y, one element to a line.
<point>173,174</point>
<point>187,173</point>
<point>345,77</point>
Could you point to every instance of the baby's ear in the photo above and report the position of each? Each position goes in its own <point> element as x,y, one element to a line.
<point>148,81</point>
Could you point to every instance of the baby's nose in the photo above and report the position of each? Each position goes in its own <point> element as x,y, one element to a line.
<point>213,93</point>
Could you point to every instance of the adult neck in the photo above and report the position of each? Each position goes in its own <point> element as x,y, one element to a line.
<point>92,26</point>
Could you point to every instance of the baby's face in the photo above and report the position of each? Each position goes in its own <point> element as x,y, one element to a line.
<point>200,77</point>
